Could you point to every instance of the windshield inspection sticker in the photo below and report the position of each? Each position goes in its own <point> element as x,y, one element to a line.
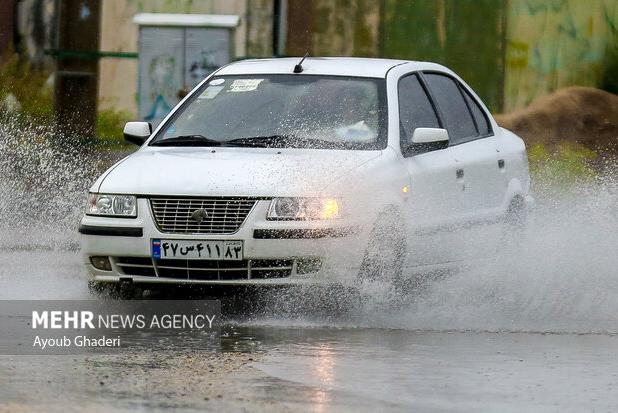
<point>210,92</point>
<point>244,85</point>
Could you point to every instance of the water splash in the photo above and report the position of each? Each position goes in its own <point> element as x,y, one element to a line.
<point>46,176</point>
<point>562,278</point>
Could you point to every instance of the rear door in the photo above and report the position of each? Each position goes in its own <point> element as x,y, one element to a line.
<point>494,195</point>
<point>435,197</point>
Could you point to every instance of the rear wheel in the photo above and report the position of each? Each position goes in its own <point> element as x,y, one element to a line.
<point>517,214</point>
<point>515,224</point>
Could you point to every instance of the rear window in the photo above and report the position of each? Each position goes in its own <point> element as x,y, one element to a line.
<point>479,115</point>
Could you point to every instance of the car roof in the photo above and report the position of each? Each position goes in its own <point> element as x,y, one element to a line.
<point>337,66</point>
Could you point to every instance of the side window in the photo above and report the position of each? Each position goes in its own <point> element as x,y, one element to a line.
<point>415,109</point>
<point>479,115</point>
<point>457,118</point>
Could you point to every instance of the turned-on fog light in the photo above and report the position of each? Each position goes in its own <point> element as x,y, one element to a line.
<point>101,263</point>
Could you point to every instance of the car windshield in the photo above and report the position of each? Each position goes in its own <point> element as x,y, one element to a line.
<point>297,111</point>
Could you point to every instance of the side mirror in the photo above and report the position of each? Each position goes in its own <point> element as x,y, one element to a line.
<point>429,135</point>
<point>426,140</point>
<point>137,132</point>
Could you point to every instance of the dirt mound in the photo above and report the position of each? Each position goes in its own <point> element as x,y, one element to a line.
<point>576,114</point>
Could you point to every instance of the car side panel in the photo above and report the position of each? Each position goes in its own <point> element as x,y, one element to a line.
<point>482,181</point>
<point>515,176</point>
<point>434,208</point>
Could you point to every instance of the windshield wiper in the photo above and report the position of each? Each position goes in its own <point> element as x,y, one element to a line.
<point>259,141</point>
<point>281,141</point>
<point>187,140</point>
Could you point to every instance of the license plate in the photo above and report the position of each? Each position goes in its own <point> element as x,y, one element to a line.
<point>170,249</point>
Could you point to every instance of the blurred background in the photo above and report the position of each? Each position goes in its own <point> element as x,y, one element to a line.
<point>548,69</point>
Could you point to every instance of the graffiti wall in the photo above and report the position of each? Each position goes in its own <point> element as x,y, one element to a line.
<point>173,60</point>
<point>509,51</point>
<point>452,32</point>
<point>333,28</point>
<point>556,43</point>
<point>119,77</point>
<point>465,35</point>
<point>349,29</point>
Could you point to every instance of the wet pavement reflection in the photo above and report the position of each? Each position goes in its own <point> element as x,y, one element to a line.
<point>261,367</point>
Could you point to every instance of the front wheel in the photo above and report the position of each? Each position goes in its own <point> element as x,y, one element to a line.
<point>114,290</point>
<point>385,253</point>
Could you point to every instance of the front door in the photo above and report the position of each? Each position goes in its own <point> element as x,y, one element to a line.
<point>435,196</point>
<point>476,157</point>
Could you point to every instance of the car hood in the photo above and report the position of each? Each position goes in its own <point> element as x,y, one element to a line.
<point>231,171</point>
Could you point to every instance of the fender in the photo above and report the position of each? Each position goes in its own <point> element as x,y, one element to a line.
<point>382,179</point>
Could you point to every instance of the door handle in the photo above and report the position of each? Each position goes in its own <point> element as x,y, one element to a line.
<point>459,173</point>
<point>501,163</point>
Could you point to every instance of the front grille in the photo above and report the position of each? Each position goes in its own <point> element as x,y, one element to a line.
<point>224,270</point>
<point>206,269</point>
<point>223,215</point>
<point>136,266</point>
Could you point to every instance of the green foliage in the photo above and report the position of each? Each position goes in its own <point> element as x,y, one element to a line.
<point>564,167</point>
<point>29,85</point>
<point>609,81</point>
<point>32,88</point>
<point>110,124</point>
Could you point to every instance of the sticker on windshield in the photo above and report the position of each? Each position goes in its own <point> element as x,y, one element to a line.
<point>210,92</point>
<point>217,82</point>
<point>244,85</point>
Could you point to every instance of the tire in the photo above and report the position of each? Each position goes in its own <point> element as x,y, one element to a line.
<point>515,225</point>
<point>385,253</point>
<point>517,214</point>
<point>114,291</point>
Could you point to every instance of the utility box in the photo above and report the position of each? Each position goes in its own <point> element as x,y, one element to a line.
<point>176,52</point>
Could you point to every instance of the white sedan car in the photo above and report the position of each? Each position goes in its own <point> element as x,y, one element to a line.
<point>275,171</point>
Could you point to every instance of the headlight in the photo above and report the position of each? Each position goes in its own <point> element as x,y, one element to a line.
<point>112,205</point>
<point>303,208</point>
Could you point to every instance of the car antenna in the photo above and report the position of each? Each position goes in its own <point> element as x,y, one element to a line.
<point>299,67</point>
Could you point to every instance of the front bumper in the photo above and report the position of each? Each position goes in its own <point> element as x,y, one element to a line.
<point>284,247</point>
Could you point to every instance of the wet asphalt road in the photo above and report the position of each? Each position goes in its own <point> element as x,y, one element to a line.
<point>306,362</point>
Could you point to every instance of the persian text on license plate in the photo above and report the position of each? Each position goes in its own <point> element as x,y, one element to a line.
<point>197,250</point>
